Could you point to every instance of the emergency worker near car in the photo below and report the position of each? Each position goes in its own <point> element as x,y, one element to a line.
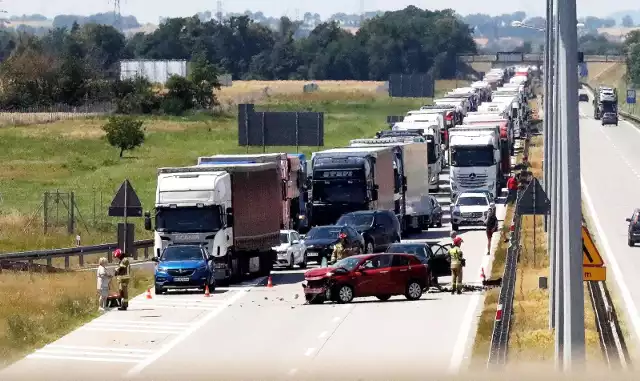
<point>457,263</point>
<point>492,226</point>
<point>123,275</point>
<point>340,249</point>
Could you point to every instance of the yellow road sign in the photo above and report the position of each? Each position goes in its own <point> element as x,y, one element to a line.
<point>590,255</point>
<point>594,273</point>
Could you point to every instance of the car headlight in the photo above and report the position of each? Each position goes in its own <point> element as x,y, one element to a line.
<point>456,212</point>
<point>162,269</point>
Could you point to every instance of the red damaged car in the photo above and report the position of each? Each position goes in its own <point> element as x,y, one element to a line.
<point>380,275</point>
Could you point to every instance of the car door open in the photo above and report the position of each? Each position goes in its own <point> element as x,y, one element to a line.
<point>440,264</point>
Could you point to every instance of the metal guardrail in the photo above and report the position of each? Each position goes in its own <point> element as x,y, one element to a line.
<point>624,114</point>
<point>539,57</point>
<point>502,324</point>
<point>67,253</point>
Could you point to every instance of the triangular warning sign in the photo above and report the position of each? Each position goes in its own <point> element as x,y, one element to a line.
<point>125,199</point>
<point>590,255</point>
<point>533,200</point>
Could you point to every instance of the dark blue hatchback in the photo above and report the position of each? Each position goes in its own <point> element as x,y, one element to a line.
<point>184,266</point>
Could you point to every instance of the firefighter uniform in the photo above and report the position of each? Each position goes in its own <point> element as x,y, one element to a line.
<point>339,252</point>
<point>123,276</point>
<point>456,269</point>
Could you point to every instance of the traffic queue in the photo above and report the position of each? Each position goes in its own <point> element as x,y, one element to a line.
<point>215,222</point>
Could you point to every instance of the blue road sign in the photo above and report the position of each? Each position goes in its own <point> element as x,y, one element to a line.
<point>631,96</point>
<point>582,69</point>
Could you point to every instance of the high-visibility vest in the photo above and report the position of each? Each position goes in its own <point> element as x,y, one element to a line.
<point>456,256</point>
<point>125,270</point>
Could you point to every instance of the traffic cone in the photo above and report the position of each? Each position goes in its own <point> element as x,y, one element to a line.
<point>269,282</point>
<point>148,293</point>
<point>482,276</point>
<point>206,291</point>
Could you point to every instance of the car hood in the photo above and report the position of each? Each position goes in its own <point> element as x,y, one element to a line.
<point>191,264</point>
<point>310,243</point>
<point>318,273</point>
<point>472,209</point>
<point>281,247</point>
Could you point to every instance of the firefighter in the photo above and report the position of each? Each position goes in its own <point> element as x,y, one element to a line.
<point>339,250</point>
<point>123,275</point>
<point>457,262</point>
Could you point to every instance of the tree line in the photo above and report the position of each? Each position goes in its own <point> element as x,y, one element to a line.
<point>81,64</point>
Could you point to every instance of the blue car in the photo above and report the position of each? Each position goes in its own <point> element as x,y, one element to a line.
<point>184,266</point>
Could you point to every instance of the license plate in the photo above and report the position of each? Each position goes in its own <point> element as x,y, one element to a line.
<point>314,290</point>
<point>312,254</point>
<point>181,279</point>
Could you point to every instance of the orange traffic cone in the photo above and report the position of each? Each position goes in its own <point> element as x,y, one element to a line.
<point>269,282</point>
<point>148,293</point>
<point>206,291</point>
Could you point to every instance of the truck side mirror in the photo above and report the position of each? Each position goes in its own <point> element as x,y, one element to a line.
<point>147,221</point>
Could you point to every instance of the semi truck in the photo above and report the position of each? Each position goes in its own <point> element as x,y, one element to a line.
<point>301,223</point>
<point>474,160</point>
<point>412,154</point>
<point>351,179</point>
<point>435,154</point>
<point>605,100</point>
<point>289,169</point>
<point>226,207</point>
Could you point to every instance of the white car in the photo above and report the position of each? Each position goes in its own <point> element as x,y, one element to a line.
<point>470,208</point>
<point>292,250</point>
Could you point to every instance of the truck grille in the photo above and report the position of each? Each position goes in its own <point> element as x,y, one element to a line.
<point>181,272</point>
<point>472,182</point>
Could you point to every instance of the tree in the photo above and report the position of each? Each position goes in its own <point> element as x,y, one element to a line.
<point>124,132</point>
<point>627,21</point>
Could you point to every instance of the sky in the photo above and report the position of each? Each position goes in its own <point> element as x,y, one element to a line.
<point>144,12</point>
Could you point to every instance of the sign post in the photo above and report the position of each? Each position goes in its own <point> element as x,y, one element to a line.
<point>125,204</point>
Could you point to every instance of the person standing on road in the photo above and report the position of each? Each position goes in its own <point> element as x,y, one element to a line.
<point>512,188</point>
<point>339,250</point>
<point>103,284</point>
<point>492,226</point>
<point>123,275</point>
<point>457,263</point>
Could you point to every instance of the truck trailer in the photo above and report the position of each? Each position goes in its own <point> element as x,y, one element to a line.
<point>226,207</point>
<point>351,179</point>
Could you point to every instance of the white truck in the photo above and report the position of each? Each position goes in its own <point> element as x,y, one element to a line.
<point>435,157</point>
<point>415,174</point>
<point>474,159</point>
<point>232,209</point>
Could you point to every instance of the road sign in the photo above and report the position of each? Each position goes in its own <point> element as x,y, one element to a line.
<point>631,96</point>
<point>592,264</point>
<point>126,202</point>
<point>534,200</point>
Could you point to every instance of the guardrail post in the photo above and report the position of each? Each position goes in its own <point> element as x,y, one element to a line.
<point>109,256</point>
<point>81,260</point>
<point>135,253</point>
<point>49,262</point>
<point>146,252</point>
<point>66,262</point>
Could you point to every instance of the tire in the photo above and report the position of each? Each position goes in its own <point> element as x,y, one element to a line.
<point>291,262</point>
<point>439,224</point>
<point>454,226</point>
<point>414,290</point>
<point>384,298</point>
<point>303,264</point>
<point>630,242</point>
<point>344,294</point>
<point>369,246</point>
<point>159,290</point>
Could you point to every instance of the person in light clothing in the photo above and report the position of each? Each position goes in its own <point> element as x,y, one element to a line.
<point>104,278</point>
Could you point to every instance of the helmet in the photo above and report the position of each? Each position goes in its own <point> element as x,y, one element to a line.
<point>117,253</point>
<point>342,236</point>
<point>457,241</point>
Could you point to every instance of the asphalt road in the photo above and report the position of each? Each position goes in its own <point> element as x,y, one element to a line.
<point>610,172</point>
<point>252,331</point>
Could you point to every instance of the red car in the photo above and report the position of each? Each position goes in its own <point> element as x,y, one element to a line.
<point>380,275</point>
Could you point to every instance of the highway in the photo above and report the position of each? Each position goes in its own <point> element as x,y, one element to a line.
<point>610,172</point>
<point>251,331</point>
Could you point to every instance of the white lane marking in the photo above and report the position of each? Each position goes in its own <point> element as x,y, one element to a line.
<point>323,334</point>
<point>630,305</point>
<point>293,371</point>
<point>335,319</point>
<point>618,152</point>
<point>309,352</point>
<point>79,358</point>
<point>140,356</point>
<point>193,328</point>
<point>90,348</point>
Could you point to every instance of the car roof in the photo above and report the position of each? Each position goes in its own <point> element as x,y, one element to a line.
<point>185,244</point>
<point>472,194</point>
<point>329,227</point>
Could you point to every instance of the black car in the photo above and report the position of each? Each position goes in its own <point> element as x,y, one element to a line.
<point>610,118</point>
<point>434,255</point>
<point>435,212</point>
<point>321,239</point>
<point>379,228</point>
<point>633,234</point>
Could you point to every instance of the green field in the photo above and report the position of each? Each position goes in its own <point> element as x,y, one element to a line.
<point>73,156</point>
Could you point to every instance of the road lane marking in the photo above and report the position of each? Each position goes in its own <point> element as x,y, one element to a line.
<point>323,334</point>
<point>90,348</point>
<point>192,329</point>
<point>79,358</point>
<point>309,352</point>
<point>630,305</point>
<point>88,353</point>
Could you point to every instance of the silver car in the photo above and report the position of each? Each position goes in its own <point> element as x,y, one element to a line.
<point>470,209</point>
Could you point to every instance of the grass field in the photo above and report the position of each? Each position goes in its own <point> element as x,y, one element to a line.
<point>72,156</point>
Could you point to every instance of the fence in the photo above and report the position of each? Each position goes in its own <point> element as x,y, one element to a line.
<point>538,57</point>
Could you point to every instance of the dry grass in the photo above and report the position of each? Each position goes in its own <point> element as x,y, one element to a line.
<point>28,118</point>
<point>37,308</point>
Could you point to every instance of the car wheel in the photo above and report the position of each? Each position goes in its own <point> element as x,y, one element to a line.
<point>630,242</point>
<point>303,264</point>
<point>454,227</point>
<point>159,290</point>
<point>369,247</point>
<point>414,290</point>
<point>344,294</point>
<point>440,221</point>
<point>212,286</point>
<point>291,262</point>
<point>384,298</point>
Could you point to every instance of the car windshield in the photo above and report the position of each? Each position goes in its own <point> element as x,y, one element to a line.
<point>323,233</point>
<point>408,249</point>
<point>347,263</point>
<point>472,201</point>
<point>284,238</point>
<point>182,253</point>
<point>356,220</point>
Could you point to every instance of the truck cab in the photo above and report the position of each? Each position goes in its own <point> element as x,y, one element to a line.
<point>429,131</point>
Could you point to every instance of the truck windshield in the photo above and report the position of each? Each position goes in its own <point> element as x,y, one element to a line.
<point>188,220</point>
<point>339,192</point>
<point>182,253</point>
<point>431,151</point>
<point>472,156</point>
